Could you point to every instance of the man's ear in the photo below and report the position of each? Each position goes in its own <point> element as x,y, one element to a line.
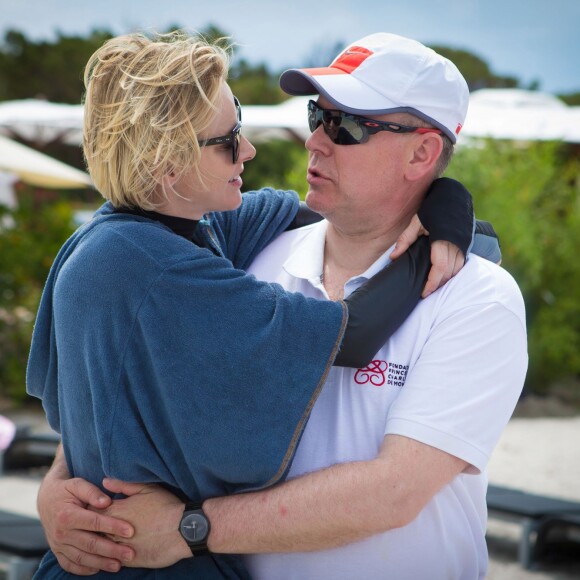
<point>428,147</point>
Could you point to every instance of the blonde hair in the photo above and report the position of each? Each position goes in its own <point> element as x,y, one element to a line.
<point>146,102</point>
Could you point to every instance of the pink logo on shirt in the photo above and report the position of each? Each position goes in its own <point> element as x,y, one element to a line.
<point>373,373</point>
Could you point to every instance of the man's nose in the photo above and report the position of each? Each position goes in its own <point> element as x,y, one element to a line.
<point>319,141</point>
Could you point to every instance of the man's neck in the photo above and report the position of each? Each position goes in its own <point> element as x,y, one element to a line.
<point>348,254</point>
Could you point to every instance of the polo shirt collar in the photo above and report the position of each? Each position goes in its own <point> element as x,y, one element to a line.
<point>307,260</point>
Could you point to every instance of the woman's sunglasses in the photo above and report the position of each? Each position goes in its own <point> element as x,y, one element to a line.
<point>232,139</point>
<point>346,129</point>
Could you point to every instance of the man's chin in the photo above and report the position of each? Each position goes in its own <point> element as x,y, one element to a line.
<point>316,203</point>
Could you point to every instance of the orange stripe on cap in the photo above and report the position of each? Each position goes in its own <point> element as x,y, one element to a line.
<point>351,58</point>
<point>327,70</point>
<point>348,61</point>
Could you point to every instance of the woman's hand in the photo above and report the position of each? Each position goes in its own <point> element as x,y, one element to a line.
<point>74,533</point>
<point>446,258</point>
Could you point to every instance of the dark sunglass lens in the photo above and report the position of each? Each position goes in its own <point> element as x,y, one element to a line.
<point>342,129</point>
<point>351,132</point>
<point>331,123</point>
<point>236,146</point>
<point>314,117</point>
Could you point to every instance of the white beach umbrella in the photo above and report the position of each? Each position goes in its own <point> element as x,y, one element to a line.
<point>38,169</point>
<point>521,115</point>
<point>41,122</point>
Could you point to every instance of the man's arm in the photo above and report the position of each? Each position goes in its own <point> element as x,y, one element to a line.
<point>335,506</point>
<point>448,382</point>
<point>321,510</point>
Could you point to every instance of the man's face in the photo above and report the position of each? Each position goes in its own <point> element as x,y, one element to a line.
<point>360,185</point>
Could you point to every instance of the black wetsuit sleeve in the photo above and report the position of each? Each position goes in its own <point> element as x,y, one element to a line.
<point>381,305</point>
<point>447,213</point>
<point>486,229</point>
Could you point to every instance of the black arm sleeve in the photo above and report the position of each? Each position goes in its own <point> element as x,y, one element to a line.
<point>380,306</point>
<point>447,213</point>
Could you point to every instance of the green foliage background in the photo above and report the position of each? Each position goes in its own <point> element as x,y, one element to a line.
<point>30,237</point>
<point>531,195</point>
<point>280,164</point>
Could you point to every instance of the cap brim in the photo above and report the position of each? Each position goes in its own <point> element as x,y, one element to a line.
<point>300,81</point>
<point>340,88</point>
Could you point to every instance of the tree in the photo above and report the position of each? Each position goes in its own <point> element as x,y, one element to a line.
<point>324,53</point>
<point>255,84</point>
<point>54,69</point>
<point>572,99</point>
<point>48,70</point>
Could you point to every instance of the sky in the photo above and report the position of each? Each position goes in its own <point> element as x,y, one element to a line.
<point>532,40</point>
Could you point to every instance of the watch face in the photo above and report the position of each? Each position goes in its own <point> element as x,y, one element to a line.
<point>194,528</point>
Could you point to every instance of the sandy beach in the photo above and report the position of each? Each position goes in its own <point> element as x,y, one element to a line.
<point>535,454</point>
<point>538,455</point>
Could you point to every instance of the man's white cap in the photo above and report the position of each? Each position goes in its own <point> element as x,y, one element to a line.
<point>385,73</point>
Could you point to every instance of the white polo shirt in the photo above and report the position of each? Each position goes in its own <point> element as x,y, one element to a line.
<point>449,377</point>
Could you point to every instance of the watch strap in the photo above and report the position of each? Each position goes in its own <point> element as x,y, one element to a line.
<point>191,506</point>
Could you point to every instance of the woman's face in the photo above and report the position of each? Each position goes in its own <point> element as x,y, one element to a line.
<point>216,183</point>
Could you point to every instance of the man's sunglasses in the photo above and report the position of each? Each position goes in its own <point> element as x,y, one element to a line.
<point>346,129</point>
<point>232,139</point>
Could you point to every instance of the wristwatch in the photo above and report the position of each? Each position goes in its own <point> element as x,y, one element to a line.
<point>194,528</point>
